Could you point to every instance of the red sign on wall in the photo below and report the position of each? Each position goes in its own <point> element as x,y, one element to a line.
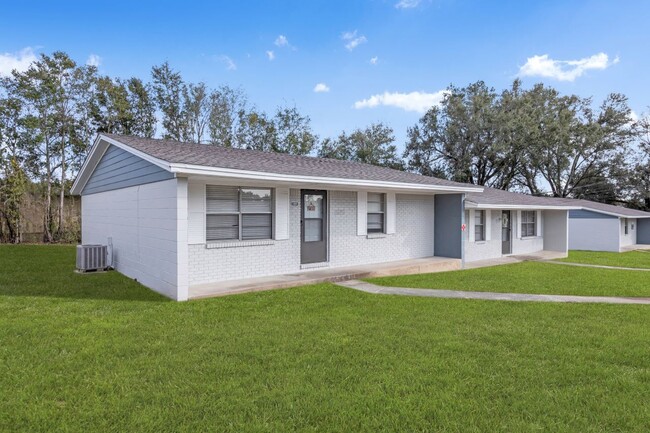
<point>463,227</point>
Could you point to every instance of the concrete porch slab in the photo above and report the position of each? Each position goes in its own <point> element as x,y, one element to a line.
<point>515,258</point>
<point>401,267</point>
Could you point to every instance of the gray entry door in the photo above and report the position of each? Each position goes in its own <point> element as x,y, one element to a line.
<point>506,232</point>
<point>313,227</point>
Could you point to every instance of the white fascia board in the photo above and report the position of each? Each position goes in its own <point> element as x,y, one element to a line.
<point>472,205</point>
<point>86,170</point>
<point>198,170</point>
<point>95,156</point>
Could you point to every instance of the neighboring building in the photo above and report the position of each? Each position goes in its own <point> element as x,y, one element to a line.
<point>500,223</point>
<point>603,227</point>
<point>180,215</point>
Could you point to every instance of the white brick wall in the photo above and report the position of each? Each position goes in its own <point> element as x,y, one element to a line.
<point>413,238</point>
<point>143,223</point>
<point>492,249</point>
<point>630,238</point>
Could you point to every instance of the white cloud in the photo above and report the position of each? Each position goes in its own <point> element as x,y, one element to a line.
<point>414,101</point>
<point>230,64</point>
<point>321,88</point>
<point>374,60</point>
<point>270,54</point>
<point>352,40</point>
<point>564,70</point>
<point>19,61</point>
<point>282,41</point>
<point>94,60</point>
<point>407,4</point>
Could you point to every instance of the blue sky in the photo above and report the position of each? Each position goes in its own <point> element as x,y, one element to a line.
<point>592,48</point>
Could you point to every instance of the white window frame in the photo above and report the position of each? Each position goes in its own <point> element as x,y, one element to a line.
<point>482,214</point>
<point>382,197</point>
<point>524,221</point>
<point>240,214</point>
<point>626,226</point>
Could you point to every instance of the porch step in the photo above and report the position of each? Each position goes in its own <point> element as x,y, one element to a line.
<point>401,267</point>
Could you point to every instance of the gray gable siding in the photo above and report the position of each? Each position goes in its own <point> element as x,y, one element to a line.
<point>587,214</point>
<point>121,169</point>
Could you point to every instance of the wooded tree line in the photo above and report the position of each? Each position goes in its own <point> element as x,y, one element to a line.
<point>534,140</point>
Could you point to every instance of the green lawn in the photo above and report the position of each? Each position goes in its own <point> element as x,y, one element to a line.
<point>532,278</point>
<point>101,353</point>
<point>630,259</point>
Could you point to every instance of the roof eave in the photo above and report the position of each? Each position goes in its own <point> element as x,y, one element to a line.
<point>200,170</point>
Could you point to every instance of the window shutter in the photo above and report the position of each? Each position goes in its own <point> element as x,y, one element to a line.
<point>471,225</point>
<point>362,208</point>
<point>538,223</point>
<point>391,213</point>
<point>196,213</point>
<point>517,225</point>
<point>488,225</point>
<point>282,213</point>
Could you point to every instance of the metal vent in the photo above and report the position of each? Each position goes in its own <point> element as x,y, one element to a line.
<point>91,257</point>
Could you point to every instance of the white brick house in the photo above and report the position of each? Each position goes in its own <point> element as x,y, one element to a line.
<point>501,223</point>
<point>179,215</point>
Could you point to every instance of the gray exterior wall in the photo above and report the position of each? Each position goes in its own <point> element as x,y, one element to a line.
<point>448,217</point>
<point>120,169</point>
<point>594,234</point>
<point>556,231</point>
<point>643,231</point>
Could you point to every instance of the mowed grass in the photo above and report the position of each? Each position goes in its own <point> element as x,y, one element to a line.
<point>531,278</point>
<point>630,259</point>
<point>101,353</point>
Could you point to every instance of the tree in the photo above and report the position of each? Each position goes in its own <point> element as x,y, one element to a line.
<point>196,114</point>
<point>227,111</point>
<point>575,147</point>
<point>293,132</point>
<point>372,145</point>
<point>168,88</point>
<point>12,178</point>
<point>469,138</point>
<point>143,108</point>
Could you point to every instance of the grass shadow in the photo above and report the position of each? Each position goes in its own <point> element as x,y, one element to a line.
<point>48,271</point>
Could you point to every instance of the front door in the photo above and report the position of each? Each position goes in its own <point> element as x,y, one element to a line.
<point>313,227</point>
<point>506,229</point>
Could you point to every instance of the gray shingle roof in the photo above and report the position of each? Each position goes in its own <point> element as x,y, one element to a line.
<point>268,162</point>
<point>492,196</point>
<point>608,208</point>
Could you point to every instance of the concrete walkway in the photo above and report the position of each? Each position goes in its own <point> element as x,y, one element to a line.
<point>488,296</point>
<point>587,265</point>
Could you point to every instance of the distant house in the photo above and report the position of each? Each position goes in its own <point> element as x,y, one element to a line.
<point>182,215</point>
<point>603,227</point>
<point>501,223</point>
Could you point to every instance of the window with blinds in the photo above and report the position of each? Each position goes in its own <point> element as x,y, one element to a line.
<point>376,212</point>
<point>479,225</point>
<point>528,223</point>
<point>236,213</point>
